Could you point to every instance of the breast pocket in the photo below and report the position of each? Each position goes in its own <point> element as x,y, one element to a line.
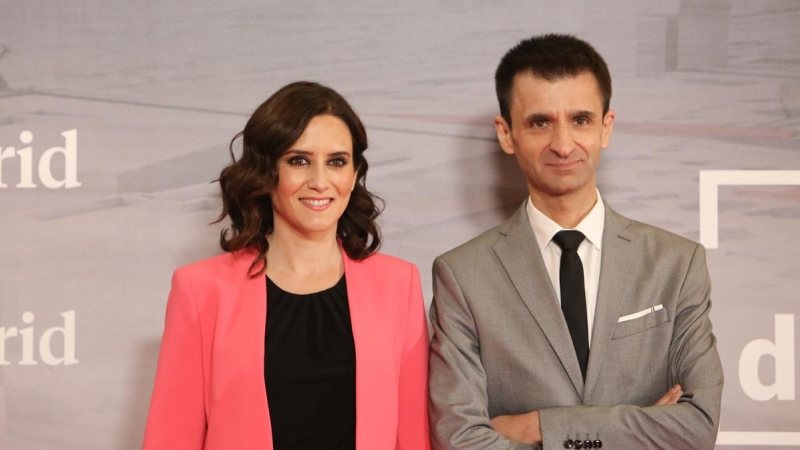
<point>640,324</point>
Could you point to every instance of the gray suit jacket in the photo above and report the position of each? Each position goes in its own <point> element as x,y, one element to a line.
<point>501,345</point>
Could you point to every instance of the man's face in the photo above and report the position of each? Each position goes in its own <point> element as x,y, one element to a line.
<point>558,133</point>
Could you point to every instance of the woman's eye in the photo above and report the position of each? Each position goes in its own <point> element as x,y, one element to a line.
<point>338,162</point>
<point>298,161</point>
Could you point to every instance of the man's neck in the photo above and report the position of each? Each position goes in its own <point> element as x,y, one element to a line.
<point>566,210</point>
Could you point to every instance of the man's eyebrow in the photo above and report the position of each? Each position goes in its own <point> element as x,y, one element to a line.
<point>538,117</point>
<point>584,113</point>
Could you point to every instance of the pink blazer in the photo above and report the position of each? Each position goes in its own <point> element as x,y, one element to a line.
<point>209,391</point>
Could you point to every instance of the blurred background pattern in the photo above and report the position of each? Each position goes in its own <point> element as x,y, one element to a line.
<point>156,90</point>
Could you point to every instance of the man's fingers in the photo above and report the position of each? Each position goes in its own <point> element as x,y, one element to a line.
<point>676,395</point>
<point>663,400</point>
<point>671,397</point>
<point>666,397</point>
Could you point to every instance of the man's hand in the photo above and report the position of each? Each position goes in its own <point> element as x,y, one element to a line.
<point>671,397</point>
<point>524,428</point>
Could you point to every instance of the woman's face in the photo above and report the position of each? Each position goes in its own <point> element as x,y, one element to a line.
<point>315,178</point>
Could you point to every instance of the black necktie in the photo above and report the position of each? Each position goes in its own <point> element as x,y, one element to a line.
<point>573,296</point>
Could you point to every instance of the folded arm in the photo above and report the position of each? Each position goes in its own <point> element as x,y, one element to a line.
<point>527,428</point>
<point>458,398</point>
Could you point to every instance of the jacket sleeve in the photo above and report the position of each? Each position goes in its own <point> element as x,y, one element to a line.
<point>413,432</point>
<point>459,403</point>
<point>177,414</point>
<point>694,363</point>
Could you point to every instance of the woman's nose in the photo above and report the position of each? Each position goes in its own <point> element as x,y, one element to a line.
<point>318,179</point>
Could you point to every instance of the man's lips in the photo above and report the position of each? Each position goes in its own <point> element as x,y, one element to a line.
<point>565,165</point>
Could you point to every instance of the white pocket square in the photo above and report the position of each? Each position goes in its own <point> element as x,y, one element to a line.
<point>641,313</point>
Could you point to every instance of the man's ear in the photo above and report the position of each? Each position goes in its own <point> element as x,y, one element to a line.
<point>503,130</point>
<point>608,128</point>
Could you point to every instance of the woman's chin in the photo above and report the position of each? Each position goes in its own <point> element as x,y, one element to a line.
<point>310,229</point>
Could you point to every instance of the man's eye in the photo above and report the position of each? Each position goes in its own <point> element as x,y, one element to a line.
<point>539,124</point>
<point>582,121</point>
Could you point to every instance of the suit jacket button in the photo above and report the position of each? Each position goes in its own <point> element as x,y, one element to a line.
<point>578,444</point>
<point>598,443</point>
<point>568,443</point>
<point>587,444</point>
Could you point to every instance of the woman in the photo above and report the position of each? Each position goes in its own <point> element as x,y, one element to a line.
<point>329,350</point>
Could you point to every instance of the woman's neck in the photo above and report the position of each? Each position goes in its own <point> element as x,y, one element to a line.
<point>304,263</point>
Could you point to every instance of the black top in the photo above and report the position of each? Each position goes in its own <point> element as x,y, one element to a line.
<point>310,369</point>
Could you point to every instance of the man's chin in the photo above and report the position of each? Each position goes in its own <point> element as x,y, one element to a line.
<point>567,189</point>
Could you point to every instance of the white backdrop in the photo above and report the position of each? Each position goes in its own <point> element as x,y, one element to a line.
<point>140,98</point>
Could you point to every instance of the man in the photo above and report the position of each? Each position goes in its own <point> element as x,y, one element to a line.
<point>569,325</point>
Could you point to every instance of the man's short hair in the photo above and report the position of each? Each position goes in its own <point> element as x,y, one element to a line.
<point>550,57</point>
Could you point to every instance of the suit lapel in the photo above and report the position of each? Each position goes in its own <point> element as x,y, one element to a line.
<point>519,253</point>
<point>619,256</point>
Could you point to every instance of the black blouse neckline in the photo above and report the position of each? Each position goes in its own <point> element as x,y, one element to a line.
<point>336,286</point>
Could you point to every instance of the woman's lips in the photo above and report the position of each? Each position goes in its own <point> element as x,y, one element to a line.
<point>317,204</point>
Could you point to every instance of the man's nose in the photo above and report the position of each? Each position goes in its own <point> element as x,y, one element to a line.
<point>562,142</point>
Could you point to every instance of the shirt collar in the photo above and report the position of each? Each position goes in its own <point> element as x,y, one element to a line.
<point>544,228</point>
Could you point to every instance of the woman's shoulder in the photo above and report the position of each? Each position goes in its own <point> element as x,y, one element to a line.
<point>391,269</point>
<point>382,260</point>
<point>224,265</point>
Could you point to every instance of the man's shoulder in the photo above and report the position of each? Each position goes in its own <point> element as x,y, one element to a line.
<point>656,237</point>
<point>476,248</point>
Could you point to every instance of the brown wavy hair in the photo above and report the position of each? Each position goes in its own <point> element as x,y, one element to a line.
<point>246,183</point>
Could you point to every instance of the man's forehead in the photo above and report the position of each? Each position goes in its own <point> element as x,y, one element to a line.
<point>527,78</point>
<point>531,76</point>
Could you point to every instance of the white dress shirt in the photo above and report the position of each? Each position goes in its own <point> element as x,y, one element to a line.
<point>591,226</point>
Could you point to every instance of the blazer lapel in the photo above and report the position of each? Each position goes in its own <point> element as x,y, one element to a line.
<point>619,255</point>
<point>238,343</point>
<point>519,253</point>
<point>371,346</point>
